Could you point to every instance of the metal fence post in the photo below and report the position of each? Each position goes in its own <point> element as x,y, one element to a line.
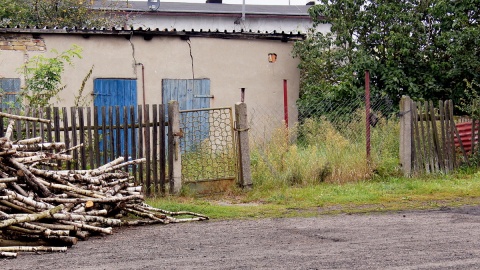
<point>406,143</point>
<point>367,115</point>
<point>174,155</point>
<point>245,177</point>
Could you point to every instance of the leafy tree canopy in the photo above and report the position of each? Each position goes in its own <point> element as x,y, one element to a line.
<point>427,49</point>
<point>61,13</point>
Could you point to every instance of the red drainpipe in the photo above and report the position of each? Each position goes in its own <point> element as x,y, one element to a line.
<point>285,102</point>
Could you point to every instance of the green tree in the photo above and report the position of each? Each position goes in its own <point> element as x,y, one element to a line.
<point>422,48</point>
<point>61,13</point>
<point>43,77</point>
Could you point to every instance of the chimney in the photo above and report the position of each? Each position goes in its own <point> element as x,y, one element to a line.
<point>214,1</point>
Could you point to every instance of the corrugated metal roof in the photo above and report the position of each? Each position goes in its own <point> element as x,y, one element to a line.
<point>209,8</point>
<point>150,33</point>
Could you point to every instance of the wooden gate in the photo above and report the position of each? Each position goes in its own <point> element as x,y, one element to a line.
<point>427,137</point>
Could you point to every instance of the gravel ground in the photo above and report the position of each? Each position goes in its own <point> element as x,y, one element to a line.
<point>436,239</point>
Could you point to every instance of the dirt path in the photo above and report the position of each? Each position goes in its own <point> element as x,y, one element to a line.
<point>442,239</point>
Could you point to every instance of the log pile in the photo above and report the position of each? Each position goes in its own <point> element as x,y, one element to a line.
<point>45,209</point>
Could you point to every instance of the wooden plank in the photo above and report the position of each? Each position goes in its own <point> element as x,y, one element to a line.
<point>111,139</point>
<point>418,151</point>
<point>56,127</point>
<point>96,135</point>
<point>104,136</point>
<point>426,155</point>
<point>40,125</point>
<point>118,141</point>
<point>125,136</point>
<point>436,142</point>
<point>90,139</point>
<point>431,152</point>
<point>443,143</point>
<point>34,133</point>
<point>140,143</point>
<point>148,173</point>
<point>48,115</point>
<point>154,147</point>
<point>43,126</point>
<point>162,150</point>
<point>449,135</point>
<point>134,140</point>
<point>66,136</point>
<point>27,125</point>
<point>17,128</point>
<point>73,119</point>
<point>32,124</point>
<point>18,125</point>
<point>81,133</point>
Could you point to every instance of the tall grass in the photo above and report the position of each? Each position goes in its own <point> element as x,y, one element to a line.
<point>318,151</point>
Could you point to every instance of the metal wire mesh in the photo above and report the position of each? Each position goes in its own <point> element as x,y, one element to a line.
<point>340,113</point>
<point>325,139</point>
<point>207,146</point>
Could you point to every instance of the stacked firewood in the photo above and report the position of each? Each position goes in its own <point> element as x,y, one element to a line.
<point>44,208</point>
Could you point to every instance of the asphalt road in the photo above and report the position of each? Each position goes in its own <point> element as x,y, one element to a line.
<point>435,239</point>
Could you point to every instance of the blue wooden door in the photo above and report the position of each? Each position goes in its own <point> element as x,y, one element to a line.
<point>191,94</point>
<point>111,93</point>
<point>115,92</point>
<point>9,88</point>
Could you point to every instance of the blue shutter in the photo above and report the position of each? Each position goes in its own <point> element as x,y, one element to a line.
<point>10,88</point>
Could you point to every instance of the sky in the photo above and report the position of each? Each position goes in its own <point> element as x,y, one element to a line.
<point>248,2</point>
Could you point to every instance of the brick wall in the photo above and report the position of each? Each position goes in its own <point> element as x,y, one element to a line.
<point>15,42</point>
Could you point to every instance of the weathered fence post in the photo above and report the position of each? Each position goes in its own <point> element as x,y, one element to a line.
<point>174,156</point>
<point>406,134</point>
<point>245,177</point>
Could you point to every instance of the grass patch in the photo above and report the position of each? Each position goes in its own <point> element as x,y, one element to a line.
<point>329,198</point>
<point>320,167</point>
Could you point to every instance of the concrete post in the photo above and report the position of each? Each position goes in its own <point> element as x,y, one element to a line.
<point>245,176</point>
<point>174,156</point>
<point>406,135</point>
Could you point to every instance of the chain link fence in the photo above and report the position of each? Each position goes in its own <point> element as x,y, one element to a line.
<point>325,140</point>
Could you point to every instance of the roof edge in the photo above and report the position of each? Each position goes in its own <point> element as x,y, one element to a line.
<point>150,33</point>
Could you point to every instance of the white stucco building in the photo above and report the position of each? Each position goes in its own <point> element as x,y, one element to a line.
<point>217,16</point>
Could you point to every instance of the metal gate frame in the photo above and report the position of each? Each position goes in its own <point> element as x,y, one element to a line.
<point>209,156</point>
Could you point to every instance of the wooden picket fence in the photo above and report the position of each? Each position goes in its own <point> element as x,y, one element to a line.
<point>106,133</point>
<point>427,137</point>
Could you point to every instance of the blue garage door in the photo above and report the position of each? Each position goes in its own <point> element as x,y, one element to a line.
<point>191,94</point>
<point>111,93</point>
